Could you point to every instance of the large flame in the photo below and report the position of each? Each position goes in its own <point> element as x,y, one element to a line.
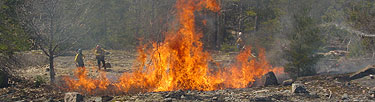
<point>179,63</point>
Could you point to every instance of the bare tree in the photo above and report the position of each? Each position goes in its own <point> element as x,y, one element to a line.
<point>54,25</point>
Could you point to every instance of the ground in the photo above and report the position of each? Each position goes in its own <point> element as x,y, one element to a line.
<point>329,87</point>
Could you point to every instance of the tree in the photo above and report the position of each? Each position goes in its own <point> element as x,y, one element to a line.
<point>12,39</point>
<point>305,42</point>
<point>258,20</point>
<point>12,36</point>
<point>53,26</point>
<point>361,17</point>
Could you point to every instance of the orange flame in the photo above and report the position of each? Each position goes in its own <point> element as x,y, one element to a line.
<point>247,69</point>
<point>179,63</point>
<point>84,83</point>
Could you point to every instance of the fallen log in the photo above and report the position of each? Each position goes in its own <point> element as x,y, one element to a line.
<point>363,72</point>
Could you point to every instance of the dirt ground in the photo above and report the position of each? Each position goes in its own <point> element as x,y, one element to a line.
<point>121,61</point>
<point>321,87</point>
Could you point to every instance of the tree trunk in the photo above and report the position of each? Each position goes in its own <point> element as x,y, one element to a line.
<point>216,43</point>
<point>51,69</point>
<point>256,26</point>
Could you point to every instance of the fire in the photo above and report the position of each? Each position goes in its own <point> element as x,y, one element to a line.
<point>179,63</point>
<point>84,83</point>
<point>246,69</point>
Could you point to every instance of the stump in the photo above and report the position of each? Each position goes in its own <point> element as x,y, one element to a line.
<point>108,65</point>
<point>298,88</point>
<point>270,79</point>
<point>73,97</point>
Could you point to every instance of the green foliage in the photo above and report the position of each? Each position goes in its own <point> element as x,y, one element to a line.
<point>361,15</point>
<point>228,48</point>
<point>334,13</point>
<point>356,49</point>
<point>39,80</point>
<point>250,13</point>
<point>305,42</point>
<point>12,36</point>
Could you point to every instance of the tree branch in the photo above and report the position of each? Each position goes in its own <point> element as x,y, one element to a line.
<point>43,49</point>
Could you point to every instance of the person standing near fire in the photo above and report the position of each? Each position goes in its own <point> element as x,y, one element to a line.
<point>79,59</point>
<point>99,55</point>
<point>240,44</point>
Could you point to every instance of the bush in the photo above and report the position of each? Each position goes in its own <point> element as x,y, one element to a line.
<point>39,80</point>
<point>228,48</point>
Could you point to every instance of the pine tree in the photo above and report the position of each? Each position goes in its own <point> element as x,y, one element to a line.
<point>305,42</point>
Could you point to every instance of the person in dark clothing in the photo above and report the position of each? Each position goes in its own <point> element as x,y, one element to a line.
<point>99,55</point>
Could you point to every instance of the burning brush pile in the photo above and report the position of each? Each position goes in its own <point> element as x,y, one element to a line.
<point>178,63</point>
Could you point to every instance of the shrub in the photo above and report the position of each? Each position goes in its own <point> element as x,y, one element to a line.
<point>228,48</point>
<point>39,80</point>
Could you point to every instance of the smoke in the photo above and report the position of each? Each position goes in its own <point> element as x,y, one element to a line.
<point>345,51</point>
<point>351,30</point>
<point>343,59</point>
<point>342,65</point>
<point>339,37</point>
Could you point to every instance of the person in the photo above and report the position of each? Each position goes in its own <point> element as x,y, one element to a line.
<point>79,59</point>
<point>99,55</point>
<point>240,44</point>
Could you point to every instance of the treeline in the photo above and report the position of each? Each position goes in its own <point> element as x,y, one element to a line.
<point>293,32</point>
<point>12,35</point>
